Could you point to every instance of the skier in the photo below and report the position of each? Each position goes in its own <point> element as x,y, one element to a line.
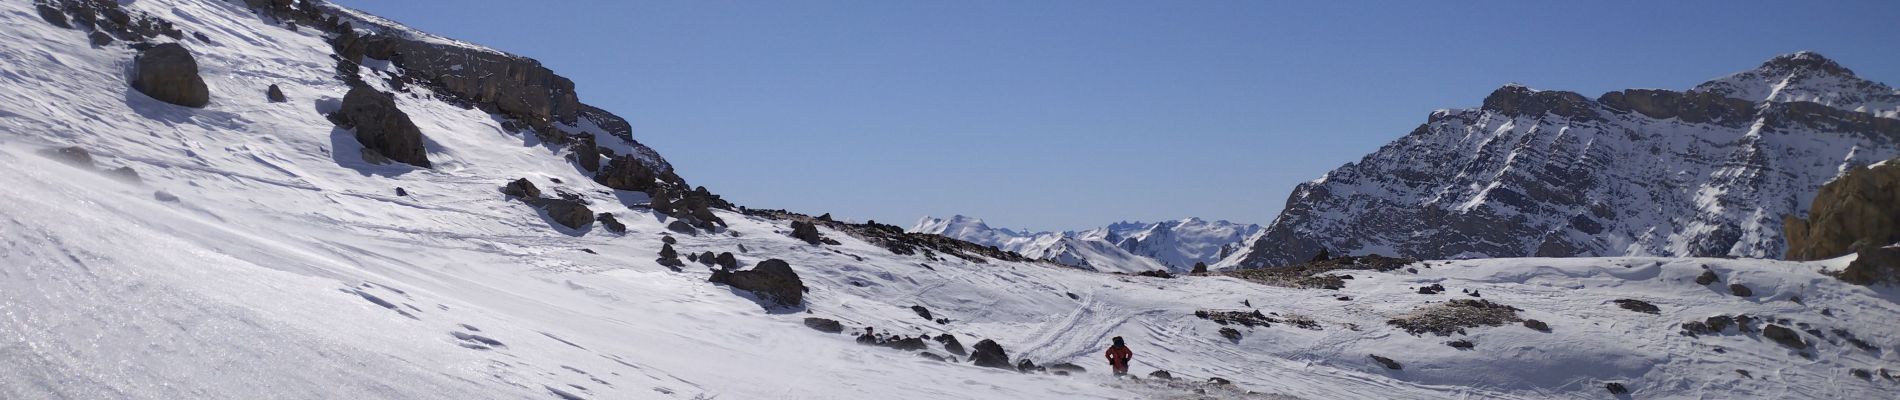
<point>1118,356</point>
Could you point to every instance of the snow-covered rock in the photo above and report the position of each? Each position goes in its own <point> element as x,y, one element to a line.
<point>1708,172</point>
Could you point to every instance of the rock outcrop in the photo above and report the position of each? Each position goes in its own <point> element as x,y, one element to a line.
<point>772,280</point>
<point>989,354</point>
<point>381,126</point>
<point>1858,210</point>
<point>169,73</point>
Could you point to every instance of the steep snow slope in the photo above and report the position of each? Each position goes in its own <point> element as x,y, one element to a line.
<point>1120,247</point>
<point>1708,172</point>
<point>258,257</point>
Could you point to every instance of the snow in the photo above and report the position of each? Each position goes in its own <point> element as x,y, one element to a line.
<point>287,267</point>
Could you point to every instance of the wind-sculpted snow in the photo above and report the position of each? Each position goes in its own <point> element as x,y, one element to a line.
<point>1639,172</point>
<point>256,258</point>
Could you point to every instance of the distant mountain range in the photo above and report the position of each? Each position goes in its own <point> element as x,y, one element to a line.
<point>1120,247</point>
<point>1707,172</point>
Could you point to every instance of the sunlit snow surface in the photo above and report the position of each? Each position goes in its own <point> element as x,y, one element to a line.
<point>268,277</point>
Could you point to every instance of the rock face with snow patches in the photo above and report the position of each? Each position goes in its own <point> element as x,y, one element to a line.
<point>1130,247</point>
<point>1861,209</point>
<point>169,73</point>
<point>1706,172</point>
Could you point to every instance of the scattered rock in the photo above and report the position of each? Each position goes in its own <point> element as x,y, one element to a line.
<point>1026,366</point>
<point>1861,373</point>
<point>401,193</point>
<point>807,232</point>
<point>1219,381</point>
<point>52,15</point>
<point>921,311</point>
<point>586,152</point>
<point>1161,374</point>
<point>1200,268</point>
<point>163,196</point>
<point>1244,318</point>
<point>726,260</point>
<point>613,224</point>
<point>905,344</point>
<point>1536,325</point>
<point>627,173</point>
<point>951,344</point>
<point>275,94</point>
<point>1745,373</point>
<point>1387,362</point>
<point>1616,388</point>
<point>1070,368</point>
<point>1156,274</point>
<point>1739,290</point>
<point>772,279</point>
<point>1444,319</point>
<point>1719,323</point>
<point>668,239</point>
<point>99,39</point>
<point>381,126</point>
<point>1638,306</point>
<point>1462,344</point>
<point>1433,289</point>
<point>1785,336</point>
<point>705,258</point>
<point>931,356</point>
<point>1706,278</point>
<point>201,37</point>
<point>989,354</point>
<point>521,188</point>
<point>1230,333</point>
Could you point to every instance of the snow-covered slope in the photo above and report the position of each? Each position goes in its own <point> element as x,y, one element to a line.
<point>1708,172</point>
<point>258,256</point>
<point>1119,247</point>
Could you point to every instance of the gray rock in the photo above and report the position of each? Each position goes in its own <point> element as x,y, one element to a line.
<point>1784,336</point>
<point>569,213</point>
<point>772,279</point>
<point>382,127</point>
<point>824,325</point>
<point>1387,362</point>
<point>275,94</point>
<point>521,188</point>
<point>989,354</point>
<point>169,73</point>
<point>1740,291</point>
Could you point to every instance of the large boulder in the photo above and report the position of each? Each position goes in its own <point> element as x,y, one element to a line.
<point>169,73</point>
<point>1858,210</point>
<point>586,152</point>
<point>382,127</point>
<point>989,354</point>
<point>569,213</point>
<point>1874,265</point>
<point>772,279</point>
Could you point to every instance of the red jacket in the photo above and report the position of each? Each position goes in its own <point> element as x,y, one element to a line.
<point>1119,355</point>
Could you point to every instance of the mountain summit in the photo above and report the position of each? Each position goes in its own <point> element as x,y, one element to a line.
<point>1706,172</point>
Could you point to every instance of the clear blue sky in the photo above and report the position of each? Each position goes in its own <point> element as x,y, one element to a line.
<point>1070,114</point>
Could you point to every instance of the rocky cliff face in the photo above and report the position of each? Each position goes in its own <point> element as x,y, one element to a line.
<point>1704,172</point>
<point>1858,211</point>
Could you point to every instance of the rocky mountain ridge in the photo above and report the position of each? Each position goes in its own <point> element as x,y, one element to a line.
<point>1175,245</point>
<point>1706,172</point>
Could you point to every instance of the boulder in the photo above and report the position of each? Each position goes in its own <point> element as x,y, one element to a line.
<point>52,15</point>
<point>989,354</point>
<point>612,224</point>
<point>1161,374</point>
<point>1719,323</point>
<point>1387,362</point>
<point>772,279</point>
<point>275,94</point>
<point>1026,366</point>
<point>123,174</point>
<point>1785,336</point>
<point>1230,333</point>
<point>807,232</point>
<point>824,325</point>
<point>382,127</point>
<point>1616,388</point>
<point>521,188</point>
<point>931,356</point>
<point>951,344</point>
<point>1740,291</point>
<point>169,73</point>
<point>1874,264</point>
<point>682,227</point>
<point>1536,325</point>
<point>1200,268</point>
<point>1068,367</point>
<point>1638,306</point>
<point>905,343</point>
<point>100,39</point>
<point>726,260</point>
<point>569,213</point>
<point>586,153</point>
<point>1706,278</point>
<point>921,311</point>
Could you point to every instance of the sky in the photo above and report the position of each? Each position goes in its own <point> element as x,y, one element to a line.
<point>1060,115</point>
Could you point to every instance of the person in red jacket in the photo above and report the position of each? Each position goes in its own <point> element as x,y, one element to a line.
<point>1118,356</point>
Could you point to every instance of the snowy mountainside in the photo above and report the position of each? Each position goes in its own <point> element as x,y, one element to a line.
<point>258,255</point>
<point>1119,247</point>
<point>1633,172</point>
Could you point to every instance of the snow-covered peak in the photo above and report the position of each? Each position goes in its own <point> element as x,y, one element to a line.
<point>1122,246</point>
<point>1808,76</point>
